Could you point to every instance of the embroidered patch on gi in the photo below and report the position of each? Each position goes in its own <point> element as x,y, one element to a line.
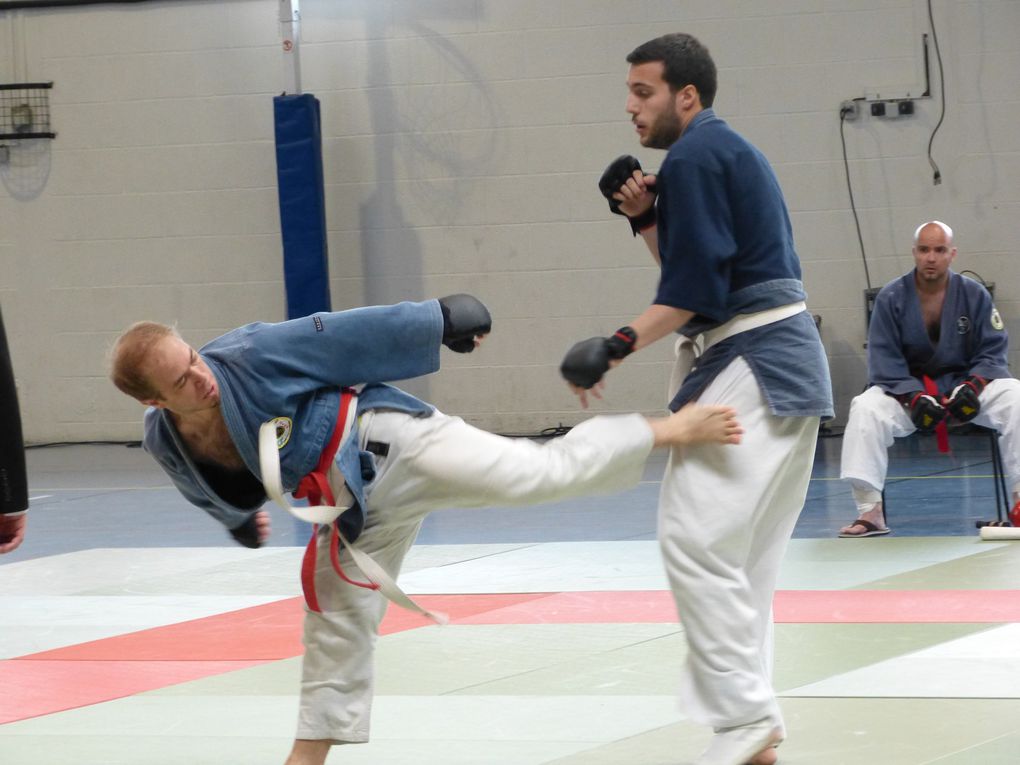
<point>318,323</point>
<point>963,325</point>
<point>283,426</point>
<point>996,320</point>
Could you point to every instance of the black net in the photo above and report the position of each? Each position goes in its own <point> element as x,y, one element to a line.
<point>25,110</point>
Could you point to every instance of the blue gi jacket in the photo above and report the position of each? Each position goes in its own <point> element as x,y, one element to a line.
<point>726,247</point>
<point>294,369</point>
<point>972,338</point>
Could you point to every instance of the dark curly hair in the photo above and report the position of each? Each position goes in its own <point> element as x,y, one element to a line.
<point>685,61</point>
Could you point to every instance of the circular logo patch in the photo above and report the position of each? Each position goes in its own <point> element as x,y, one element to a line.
<point>283,426</point>
<point>963,325</point>
<point>996,320</point>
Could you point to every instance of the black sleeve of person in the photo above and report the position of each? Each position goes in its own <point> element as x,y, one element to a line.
<point>247,533</point>
<point>13,478</point>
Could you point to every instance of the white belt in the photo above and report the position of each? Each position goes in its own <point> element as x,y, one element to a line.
<point>269,464</point>
<point>689,349</point>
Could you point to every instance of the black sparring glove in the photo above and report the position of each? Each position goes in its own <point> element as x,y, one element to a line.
<point>620,171</point>
<point>963,403</point>
<point>247,533</point>
<point>925,411</point>
<point>586,362</point>
<point>464,317</point>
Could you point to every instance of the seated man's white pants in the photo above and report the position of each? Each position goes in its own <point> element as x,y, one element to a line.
<point>726,515</point>
<point>437,462</point>
<point>876,419</point>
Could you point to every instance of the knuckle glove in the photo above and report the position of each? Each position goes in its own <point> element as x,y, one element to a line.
<point>926,412</point>
<point>964,404</point>
<point>586,363</point>
<point>464,317</point>
<point>616,174</point>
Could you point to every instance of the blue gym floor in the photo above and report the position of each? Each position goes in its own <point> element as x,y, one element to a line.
<point>115,496</point>
<point>896,650</point>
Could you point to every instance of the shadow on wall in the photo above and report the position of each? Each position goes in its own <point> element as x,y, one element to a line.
<point>25,167</point>
<point>416,147</point>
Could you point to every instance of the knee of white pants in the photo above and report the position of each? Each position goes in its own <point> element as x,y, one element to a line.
<point>874,405</point>
<point>1000,410</point>
<point>875,421</point>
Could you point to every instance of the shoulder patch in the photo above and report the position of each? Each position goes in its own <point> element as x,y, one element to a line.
<point>996,320</point>
<point>284,426</point>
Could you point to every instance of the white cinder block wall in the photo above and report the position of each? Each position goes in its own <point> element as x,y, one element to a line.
<point>463,141</point>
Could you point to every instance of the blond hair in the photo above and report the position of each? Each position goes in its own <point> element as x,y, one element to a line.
<point>129,353</point>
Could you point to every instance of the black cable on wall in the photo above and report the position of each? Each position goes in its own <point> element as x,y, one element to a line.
<point>937,177</point>
<point>850,191</point>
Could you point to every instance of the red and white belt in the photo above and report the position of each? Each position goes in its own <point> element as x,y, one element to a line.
<point>320,487</point>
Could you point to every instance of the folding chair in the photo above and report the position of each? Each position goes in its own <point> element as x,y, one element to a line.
<point>998,477</point>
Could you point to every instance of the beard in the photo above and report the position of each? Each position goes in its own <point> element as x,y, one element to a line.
<point>666,129</point>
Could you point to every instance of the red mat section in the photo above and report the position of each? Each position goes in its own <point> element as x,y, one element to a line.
<point>102,670</point>
<point>111,668</point>
<point>261,633</point>
<point>790,606</point>
<point>898,606</point>
<point>33,688</point>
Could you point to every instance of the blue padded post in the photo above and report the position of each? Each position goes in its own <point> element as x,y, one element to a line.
<point>302,204</point>
<point>302,214</point>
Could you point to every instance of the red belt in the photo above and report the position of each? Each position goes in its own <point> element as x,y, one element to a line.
<point>942,429</point>
<point>315,487</point>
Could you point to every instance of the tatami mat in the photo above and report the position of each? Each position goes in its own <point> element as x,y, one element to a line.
<point>155,643</point>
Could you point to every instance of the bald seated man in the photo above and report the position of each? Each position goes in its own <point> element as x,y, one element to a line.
<point>937,354</point>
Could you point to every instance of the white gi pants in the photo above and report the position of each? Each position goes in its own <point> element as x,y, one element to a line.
<point>437,462</point>
<point>876,419</point>
<point>726,514</point>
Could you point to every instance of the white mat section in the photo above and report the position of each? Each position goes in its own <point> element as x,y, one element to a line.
<point>810,564</point>
<point>985,665</point>
<point>551,567</point>
<point>475,723</point>
<point>834,564</point>
<point>85,570</point>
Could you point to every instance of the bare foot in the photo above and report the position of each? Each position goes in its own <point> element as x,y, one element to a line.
<point>874,517</point>
<point>695,424</point>
<point>309,752</point>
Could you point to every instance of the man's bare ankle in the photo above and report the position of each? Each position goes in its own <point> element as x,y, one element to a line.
<point>875,514</point>
<point>309,751</point>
